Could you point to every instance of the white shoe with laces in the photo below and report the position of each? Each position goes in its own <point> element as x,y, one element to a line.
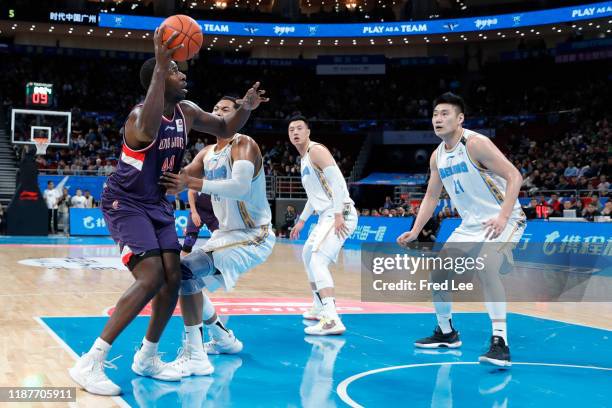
<point>229,345</point>
<point>88,372</point>
<point>327,325</point>
<point>152,366</point>
<point>191,361</point>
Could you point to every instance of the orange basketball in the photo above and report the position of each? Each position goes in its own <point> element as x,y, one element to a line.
<point>190,36</point>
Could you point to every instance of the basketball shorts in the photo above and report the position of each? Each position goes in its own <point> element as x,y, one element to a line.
<point>141,230</point>
<point>498,251</point>
<point>237,251</point>
<point>322,238</point>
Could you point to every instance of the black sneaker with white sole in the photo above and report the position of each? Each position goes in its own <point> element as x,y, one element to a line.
<point>498,354</point>
<point>440,340</point>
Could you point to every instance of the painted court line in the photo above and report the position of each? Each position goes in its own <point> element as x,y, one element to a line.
<point>118,400</point>
<point>342,387</point>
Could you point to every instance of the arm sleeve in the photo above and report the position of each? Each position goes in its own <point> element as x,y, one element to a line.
<point>307,211</point>
<point>236,188</point>
<point>336,180</point>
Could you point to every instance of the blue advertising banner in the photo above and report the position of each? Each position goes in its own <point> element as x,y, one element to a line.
<point>369,229</point>
<point>94,184</point>
<point>394,179</point>
<point>403,28</point>
<point>89,221</point>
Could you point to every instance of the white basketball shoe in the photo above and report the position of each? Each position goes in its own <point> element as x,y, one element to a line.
<point>88,372</point>
<point>152,366</point>
<point>327,325</point>
<point>192,361</point>
<point>227,345</point>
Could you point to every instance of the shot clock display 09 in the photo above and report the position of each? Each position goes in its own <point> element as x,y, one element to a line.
<point>39,94</point>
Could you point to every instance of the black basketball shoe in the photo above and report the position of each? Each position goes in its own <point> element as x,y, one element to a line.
<point>498,354</point>
<point>440,340</point>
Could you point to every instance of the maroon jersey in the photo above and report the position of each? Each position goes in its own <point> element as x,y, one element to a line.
<point>138,171</point>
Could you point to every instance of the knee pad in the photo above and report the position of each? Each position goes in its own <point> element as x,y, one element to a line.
<point>190,240</point>
<point>194,268</point>
<point>319,267</point>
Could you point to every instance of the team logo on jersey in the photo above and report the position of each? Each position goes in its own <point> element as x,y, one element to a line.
<point>169,128</point>
<point>115,205</point>
<point>179,125</point>
<point>305,172</point>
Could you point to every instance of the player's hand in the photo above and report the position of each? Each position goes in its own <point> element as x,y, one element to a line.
<point>195,217</point>
<point>252,98</point>
<point>495,226</point>
<point>174,183</point>
<point>340,226</point>
<point>297,228</point>
<point>163,54</point>
<point>406,238</point>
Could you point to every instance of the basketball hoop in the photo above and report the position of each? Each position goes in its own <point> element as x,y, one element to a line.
<point>41,144</point>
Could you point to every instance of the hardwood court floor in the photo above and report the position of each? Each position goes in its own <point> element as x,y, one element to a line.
<point>30,356</point>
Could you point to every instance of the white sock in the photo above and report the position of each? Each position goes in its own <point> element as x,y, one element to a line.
<point>100,349</point>
<point>316,299</point>
<point>148,347</point>
<point>445,323</point>
<point>193,335</point>
<point>218,330</point>
<point>329,306</point>
<point>499,329</point>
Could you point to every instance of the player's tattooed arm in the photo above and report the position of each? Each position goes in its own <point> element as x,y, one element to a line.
<point>224,127</point>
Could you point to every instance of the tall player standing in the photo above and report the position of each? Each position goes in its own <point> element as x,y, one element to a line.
<point>234,177</point>
<point>140,218</point>
<point>484,186</point>
<point>329,197</point>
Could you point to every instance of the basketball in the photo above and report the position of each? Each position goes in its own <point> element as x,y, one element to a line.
<point>190,36</point>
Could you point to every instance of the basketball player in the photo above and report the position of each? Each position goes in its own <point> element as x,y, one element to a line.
<point>140,218</point>
<point>483,185</point>
<point>201,212</point>
<point>328,196</point>
<point>234,177</point>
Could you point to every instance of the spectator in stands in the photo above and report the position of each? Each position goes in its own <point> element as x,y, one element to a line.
<point>555,205</point>
<point>530,209</point>
<point>375,213</point>
<point>51,197</point>
<point>579,207</point>
<point>596,202</point>
<point>199,145</point>
<point>392,212</point>
<point>63,208</point>
<point>89,200</point>
<point>401,212</point>
<point>289,222</point>
<point>607,210</point>
<point>590,212</point>
<point>385,212</point>
<point>78,201</point>
<point>571,170</point>
<point>604,185</point>
<point>365,212</point>
<point>388,203</point>
<point>178,204</point>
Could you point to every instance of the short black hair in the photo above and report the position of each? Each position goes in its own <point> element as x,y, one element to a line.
<point>298,117</point>
<point>146,72</point>
<point>451,99</point>
<point>231,99</point>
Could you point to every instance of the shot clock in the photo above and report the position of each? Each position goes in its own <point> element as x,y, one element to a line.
<point>39,94</point>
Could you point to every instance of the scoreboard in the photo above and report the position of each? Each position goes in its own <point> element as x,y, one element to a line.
<point>39,94</point>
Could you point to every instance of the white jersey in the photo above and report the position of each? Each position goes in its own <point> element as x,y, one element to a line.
<point>233,214</point>
<point>317,186</point>
<point>477,193</point>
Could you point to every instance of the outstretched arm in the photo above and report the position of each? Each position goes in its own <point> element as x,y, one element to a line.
<point>225,127</point>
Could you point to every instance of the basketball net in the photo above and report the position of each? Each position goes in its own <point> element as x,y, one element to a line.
<point>41,144</point>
